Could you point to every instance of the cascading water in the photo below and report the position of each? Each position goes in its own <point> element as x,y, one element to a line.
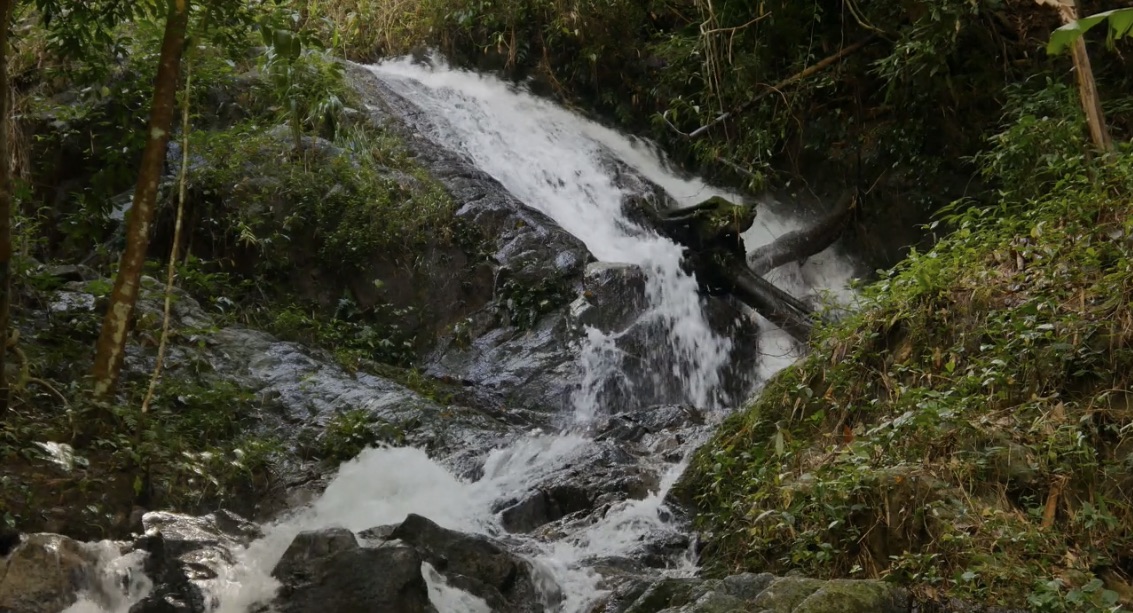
<point>556,162</point>
<point>553,161</point>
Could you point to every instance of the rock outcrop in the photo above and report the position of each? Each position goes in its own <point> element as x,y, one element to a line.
<point>330,570</point>
<point>45,573</point>
<point>760,593</point>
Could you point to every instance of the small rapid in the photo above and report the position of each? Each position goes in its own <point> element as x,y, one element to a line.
<point>558,163</point>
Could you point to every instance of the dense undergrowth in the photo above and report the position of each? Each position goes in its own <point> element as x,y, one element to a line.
<point>912,89</point>
<point>969,430</point>
<point>285,176</point>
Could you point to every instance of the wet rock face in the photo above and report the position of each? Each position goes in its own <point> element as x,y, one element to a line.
<point>761,593</point>
<point>327,570</point>
<point>515,345</point>
<point>476,564</point>
<point>614,298</point>
<point>183,553</point>
<point>600,475</point>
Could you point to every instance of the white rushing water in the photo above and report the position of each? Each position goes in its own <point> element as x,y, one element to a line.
<point>552,160</point>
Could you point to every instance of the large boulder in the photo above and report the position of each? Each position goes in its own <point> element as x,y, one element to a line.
<point>597,475</point>
<point>45,573</point>
<point>184,553</point>
<point>328,571</point>
<point>479,566</point>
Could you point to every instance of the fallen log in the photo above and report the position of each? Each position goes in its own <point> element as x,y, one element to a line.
<point>711,231</point>
<point>780,308</point>
<point>800,244</point>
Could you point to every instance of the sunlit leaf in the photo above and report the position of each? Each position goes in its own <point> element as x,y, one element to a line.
<point>1120,25</point>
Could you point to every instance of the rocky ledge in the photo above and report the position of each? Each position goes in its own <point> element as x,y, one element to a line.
<point>401,568</point>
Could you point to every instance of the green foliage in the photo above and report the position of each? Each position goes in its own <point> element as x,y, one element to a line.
<point>194,451</point>
<point>340,200</point>
<point>378,336</point>
<point>679,66</point>
<point>967,431</point>
<point>524,302</point>
<point>1120,24</point>
<point>1044,141</point>
<point>350,432</point>
<point>306,86</point>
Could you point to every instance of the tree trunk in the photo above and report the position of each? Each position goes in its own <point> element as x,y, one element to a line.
<point>794,246</point>
<point>780,308</point>
<point>1087,87</point>
<point>5,205</point>
<point>111,347</point>
<point>1088,92</point>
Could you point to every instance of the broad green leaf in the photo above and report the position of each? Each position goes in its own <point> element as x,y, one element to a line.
<point>1120,24</point>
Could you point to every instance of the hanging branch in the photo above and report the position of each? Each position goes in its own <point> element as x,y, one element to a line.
<point>807,72</point>
<point>174,254</point>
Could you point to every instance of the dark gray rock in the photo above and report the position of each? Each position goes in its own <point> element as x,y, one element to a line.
<point>184,553</point>
<point>634,427</point>
<point>173,591</point>
<point>545,505</point>
<point>328,571</point>
<point>600,474</point>
<point>478,565</point>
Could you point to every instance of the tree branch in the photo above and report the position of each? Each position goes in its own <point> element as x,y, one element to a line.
<point>803,74</point>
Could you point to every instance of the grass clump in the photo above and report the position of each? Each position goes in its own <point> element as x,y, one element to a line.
<point>969,431</point>
<point>350,432</point>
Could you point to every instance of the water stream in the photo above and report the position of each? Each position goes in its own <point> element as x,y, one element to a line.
<point>554,161</point>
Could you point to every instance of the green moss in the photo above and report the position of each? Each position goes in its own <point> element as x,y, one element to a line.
<point>967,431</point>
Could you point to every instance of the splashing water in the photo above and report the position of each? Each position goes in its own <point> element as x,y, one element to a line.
<point>556,162</point>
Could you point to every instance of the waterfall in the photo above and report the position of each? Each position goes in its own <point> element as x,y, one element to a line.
<point>553,161</point>
<point>557,162</point>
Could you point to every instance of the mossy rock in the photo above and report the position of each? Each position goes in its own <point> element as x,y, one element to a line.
<point>846,596</point>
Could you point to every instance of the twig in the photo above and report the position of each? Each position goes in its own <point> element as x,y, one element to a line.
<point>731,30</point>
<point>173,251</point>
<point>803,74</point>
<point>49,388</point>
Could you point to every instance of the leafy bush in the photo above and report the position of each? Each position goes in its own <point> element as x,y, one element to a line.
<point>350,432</point>
<point>968,431</point>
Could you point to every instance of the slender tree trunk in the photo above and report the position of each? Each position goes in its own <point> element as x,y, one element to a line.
<point>5,204</point>
<point>1088,92</point>
<point>1087,87</point>
<point>110,351</point>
